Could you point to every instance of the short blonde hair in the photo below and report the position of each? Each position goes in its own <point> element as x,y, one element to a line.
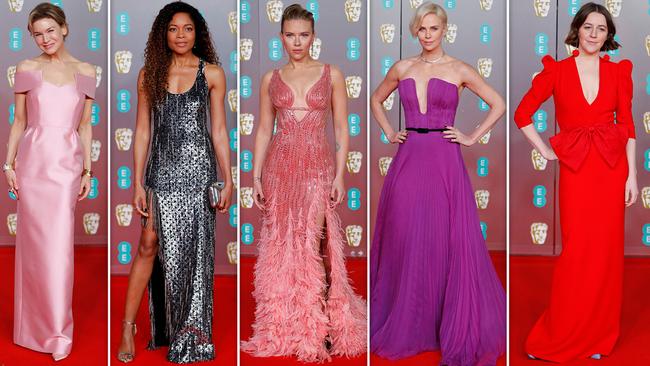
<point>423,10</point>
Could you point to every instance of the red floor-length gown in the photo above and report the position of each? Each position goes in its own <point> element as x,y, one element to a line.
<point>584,312</point>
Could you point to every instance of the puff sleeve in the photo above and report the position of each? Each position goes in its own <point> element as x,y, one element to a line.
<point>624,93</point>
<point>539,92</point>
<point>25,81</point>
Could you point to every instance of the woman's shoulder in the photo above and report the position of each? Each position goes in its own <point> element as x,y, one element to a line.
<point>85,68</point>
<point>28,65</point>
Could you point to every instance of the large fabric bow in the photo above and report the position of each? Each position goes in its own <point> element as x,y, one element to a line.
<point>572,146</point>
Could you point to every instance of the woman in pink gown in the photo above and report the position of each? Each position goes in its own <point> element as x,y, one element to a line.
<point>48,171</point>
<point>305,304</point>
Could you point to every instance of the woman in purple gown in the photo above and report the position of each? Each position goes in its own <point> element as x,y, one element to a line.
<point>433,286</point>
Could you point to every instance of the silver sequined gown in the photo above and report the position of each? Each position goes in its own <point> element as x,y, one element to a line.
<point>180,168</point>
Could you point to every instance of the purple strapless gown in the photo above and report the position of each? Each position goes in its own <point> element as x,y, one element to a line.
<point>433,286</point>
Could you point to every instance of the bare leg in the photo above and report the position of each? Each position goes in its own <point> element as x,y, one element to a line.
<point>327,267</point>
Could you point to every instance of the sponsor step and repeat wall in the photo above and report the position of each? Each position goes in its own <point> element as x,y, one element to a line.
<point>538,28</point>
<point>87,40</point>
<point>131,23</point>
<point>341,41</point>
<point>476,34</point>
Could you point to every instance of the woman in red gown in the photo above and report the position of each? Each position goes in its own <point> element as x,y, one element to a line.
<point>593,102</point>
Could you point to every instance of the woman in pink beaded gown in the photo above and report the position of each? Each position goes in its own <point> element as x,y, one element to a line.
<point>48,170</point>
<point>305,303</point>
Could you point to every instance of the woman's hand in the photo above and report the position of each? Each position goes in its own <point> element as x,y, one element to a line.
<point>84,187</point>
<point>140,201</point>
<point>258,195</point>
<point>337,192</point>
<point>631,190</point>
<point>454,135</point>
<point>224,198</point>
<point>548,153</point>
<point>11,181</point>
<point>397,137</point>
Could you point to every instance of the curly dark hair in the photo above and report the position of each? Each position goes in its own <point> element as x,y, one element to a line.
<point>158,55</point>
<point>580,18</point>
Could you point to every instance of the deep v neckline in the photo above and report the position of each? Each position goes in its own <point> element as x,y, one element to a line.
<point>293,94</point>
<point>582,91</point>
<point>426,96</point>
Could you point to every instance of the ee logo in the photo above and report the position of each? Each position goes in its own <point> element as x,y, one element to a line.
<point>123,101</point>
<point>244,12</point>
<point>232,212</point>
<point>246,87</point>
<point>247,234</point>
<point>539,196</point>
<point>275,49</point>
<point>233,139</point>
<point>486,33</point>
<point>386,64</point>
<point>541,44</point>
<point>312,6</point>
<point>246,161</point>
<point>354,199</point>
<point>354,124</point>
<point>123,27</point>
<point>484,230</point>
<point>12,113</point>
<point>646,162</point>
<point>94,39</point>
<point>541,118</point>
<point>646,234</point>
<point>94,188</point>
<point>15,39</point>
<point>482,105</point>
<point>124,177</point>
<point>482,167</point>
<point>354,49</point>
<point>124,252</point>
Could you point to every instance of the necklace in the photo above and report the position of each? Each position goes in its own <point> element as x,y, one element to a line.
<point>432,61</point>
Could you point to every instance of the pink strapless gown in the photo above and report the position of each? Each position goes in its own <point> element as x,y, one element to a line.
<point>48,169</point>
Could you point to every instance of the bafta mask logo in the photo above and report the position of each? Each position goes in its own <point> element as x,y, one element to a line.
<point>98,75</point>
<point>387,32</point>
<point>542,8</point>
<point>614,7</point>
<point>12,221</point>
<point>538,232</point>
<point>452,32</point>
<point>231,249</point>
<point>246,48</point>
<point>16,6</point>
<point>91,223</point>
<point>354,233</point>
<point>232,100</point>
<point>94,6</point>
<point>646,121</point>
<point>353,10</point>
<point>388,103</point>
<point>647,44</point>
<point>482,197</point>
<point>233,173</point>
<point>232,21</point>
<point>123,61</point>
<point>539,162</point>
<point>569,49</point>
<point>246,123</point>
<point>485,66</point>
<point>246,196</point>
<point>486,4</point>
<point>123,214</point>
<point>353,86</point>
<point>95,150</point>
<point>11,75</point>
<point>485,139</point>
<point>384,164</point>
<point>314,50</point>
<point>123,138</point>
<point>645,197</point>
<point>274,10</point>
<point>415,3</point>
<point>353,161</point>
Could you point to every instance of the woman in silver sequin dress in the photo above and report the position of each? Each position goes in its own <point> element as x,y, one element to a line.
<point>176,251</point>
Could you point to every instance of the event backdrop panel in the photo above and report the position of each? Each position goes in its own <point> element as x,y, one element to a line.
<point>131,23</point>
<point>535,226</point>
<point>88,42</point>
<point>341,41</point>
<point>477,35</point>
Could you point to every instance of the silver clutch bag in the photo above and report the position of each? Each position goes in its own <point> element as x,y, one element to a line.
<point>214,192</point>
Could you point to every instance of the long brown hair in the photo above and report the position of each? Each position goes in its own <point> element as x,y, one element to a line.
<point>580,18</point>
<point>158,56</point>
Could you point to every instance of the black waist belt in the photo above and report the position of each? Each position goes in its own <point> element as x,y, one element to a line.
<point>425,130</point>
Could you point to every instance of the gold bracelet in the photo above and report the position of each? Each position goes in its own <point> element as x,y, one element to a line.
<point>87,172</point>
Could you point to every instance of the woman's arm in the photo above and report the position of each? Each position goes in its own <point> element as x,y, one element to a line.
<point>140,146</point>
<point>387,86</point>
<point>262,138</point>
<point>86,134</point>
<point>625,119</point>
<point>217,84</point>
<point>341,135</point>
<point>15,133</point>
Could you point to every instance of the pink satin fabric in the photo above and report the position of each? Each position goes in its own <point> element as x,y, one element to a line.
<point>48,169</point>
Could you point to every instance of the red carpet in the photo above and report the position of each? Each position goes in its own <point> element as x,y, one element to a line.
<point>432,358</point>
<point>89,307</point>
<point>224,324</point>
<point>530,287</point>
<point>357,273</point>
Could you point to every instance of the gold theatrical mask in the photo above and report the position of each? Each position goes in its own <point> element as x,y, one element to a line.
<point>124,214</point>
<point>352,10</point>
<point>123,138</point>
<point>353,161</point>
<point>482,197</point>
<point>95,150</point>
<point>232,21</point>
<point>232,100</point>
<point>647,44</point>
<point>387,32</point>
<point>539,162</point>
<point>388,103</point>
<point>16,6</point>
<point>246,123</point>
<point>569,49</point>
<point>415,3</point>
<point>246,196</point>
<point>614,7</point>
<point>98,75</point>
<point>11,75</point>
<point>484,66</point>
<point>314,49</point>
<point>452,32</point>
<point>123,61</point>
<point>646,122</point>
<point>542,7</point>
<point>485,138</point>
<point>645,197</point>
<point>354,233</point>
<point>94,6</point>
<point>233,173</point>
<point>231,249</point>
<point>12,222</point>
<point>91,222</point>
<point>486,4</point>
<point>274,10</point>
<point>245,48</point>
<point>538,232</point>
<point>384,164</point>
<point>353,86</point>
